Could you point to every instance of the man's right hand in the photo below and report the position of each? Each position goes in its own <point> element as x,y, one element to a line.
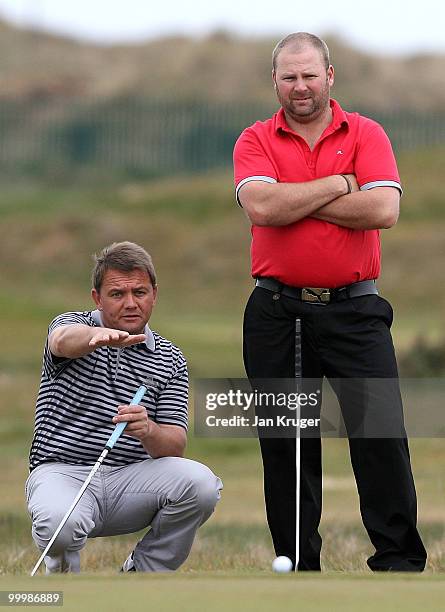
<point>105,336</point>
<point>77,340</point>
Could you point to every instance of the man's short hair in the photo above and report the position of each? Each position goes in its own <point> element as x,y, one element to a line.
<point>124,256</point>
<point>298,40</point>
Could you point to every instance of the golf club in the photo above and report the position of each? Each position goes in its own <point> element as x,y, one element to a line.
<point>298,375</point>
<point>118,430</point>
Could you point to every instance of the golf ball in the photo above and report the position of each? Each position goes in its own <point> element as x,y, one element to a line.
<point>282,565</point>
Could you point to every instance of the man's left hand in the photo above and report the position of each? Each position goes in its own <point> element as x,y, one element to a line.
<point>159,440</point>
<point>138,424</point>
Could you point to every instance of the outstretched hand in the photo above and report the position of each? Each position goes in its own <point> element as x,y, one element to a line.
<point>114,337</point>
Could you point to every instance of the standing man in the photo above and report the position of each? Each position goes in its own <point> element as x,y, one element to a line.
<point>93,363</point>
<point>317,184</point>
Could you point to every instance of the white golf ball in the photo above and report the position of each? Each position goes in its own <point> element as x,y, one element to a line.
<point>282,565</point>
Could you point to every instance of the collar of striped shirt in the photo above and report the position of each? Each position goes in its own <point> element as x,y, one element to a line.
<point>149,342</point>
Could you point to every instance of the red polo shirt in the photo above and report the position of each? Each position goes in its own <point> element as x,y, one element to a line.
<point>310,252</point>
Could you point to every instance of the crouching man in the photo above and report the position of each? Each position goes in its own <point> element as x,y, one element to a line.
<point>93,363</point>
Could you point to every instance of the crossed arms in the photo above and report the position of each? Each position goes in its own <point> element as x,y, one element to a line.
<point>326,199</point>
<point>77,340</point>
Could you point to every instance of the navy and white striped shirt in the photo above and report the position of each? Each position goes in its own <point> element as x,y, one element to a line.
<point>79,397</point>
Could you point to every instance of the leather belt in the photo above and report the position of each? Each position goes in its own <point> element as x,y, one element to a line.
<point>319,295</point>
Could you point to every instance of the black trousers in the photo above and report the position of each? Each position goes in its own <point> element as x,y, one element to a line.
<point>346,339</point>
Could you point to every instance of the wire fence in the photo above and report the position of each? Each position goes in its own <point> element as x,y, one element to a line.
<point>141,137</point>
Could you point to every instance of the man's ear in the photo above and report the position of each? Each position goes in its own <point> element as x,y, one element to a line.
<point>96,298</point>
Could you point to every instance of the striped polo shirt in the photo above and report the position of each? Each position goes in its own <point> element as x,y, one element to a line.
<point>79,397</point>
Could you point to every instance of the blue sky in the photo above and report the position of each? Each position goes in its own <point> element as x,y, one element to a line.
<point>397,26</point>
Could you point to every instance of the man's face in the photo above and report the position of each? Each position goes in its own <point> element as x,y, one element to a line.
<point>126,300</point>
<point>302,83</point>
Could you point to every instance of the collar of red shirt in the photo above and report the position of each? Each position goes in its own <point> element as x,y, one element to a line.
<point>339,118</point>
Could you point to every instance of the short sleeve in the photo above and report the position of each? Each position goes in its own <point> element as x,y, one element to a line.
<point>251,162</point>
<point>172,402</point>
<point>375,164</point>
<point>52,364</point>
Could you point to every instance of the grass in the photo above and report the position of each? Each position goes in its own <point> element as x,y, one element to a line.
<point>250,591</point>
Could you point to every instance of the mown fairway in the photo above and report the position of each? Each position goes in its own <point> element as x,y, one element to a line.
<point>250,591</point>
<point>199,241</point>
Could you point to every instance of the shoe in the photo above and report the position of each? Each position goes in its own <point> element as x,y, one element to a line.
<point>68,561</point>
<point>128,565</point>
<point>55,564</point>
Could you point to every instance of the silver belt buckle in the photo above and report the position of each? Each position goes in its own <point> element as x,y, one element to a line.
<point>318,295</point>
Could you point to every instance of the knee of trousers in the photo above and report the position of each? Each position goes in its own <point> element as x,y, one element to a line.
<point>72,536</point>
<point>206,488</point>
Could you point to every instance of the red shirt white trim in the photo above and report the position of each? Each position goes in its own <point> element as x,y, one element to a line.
<point>311,252</point>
